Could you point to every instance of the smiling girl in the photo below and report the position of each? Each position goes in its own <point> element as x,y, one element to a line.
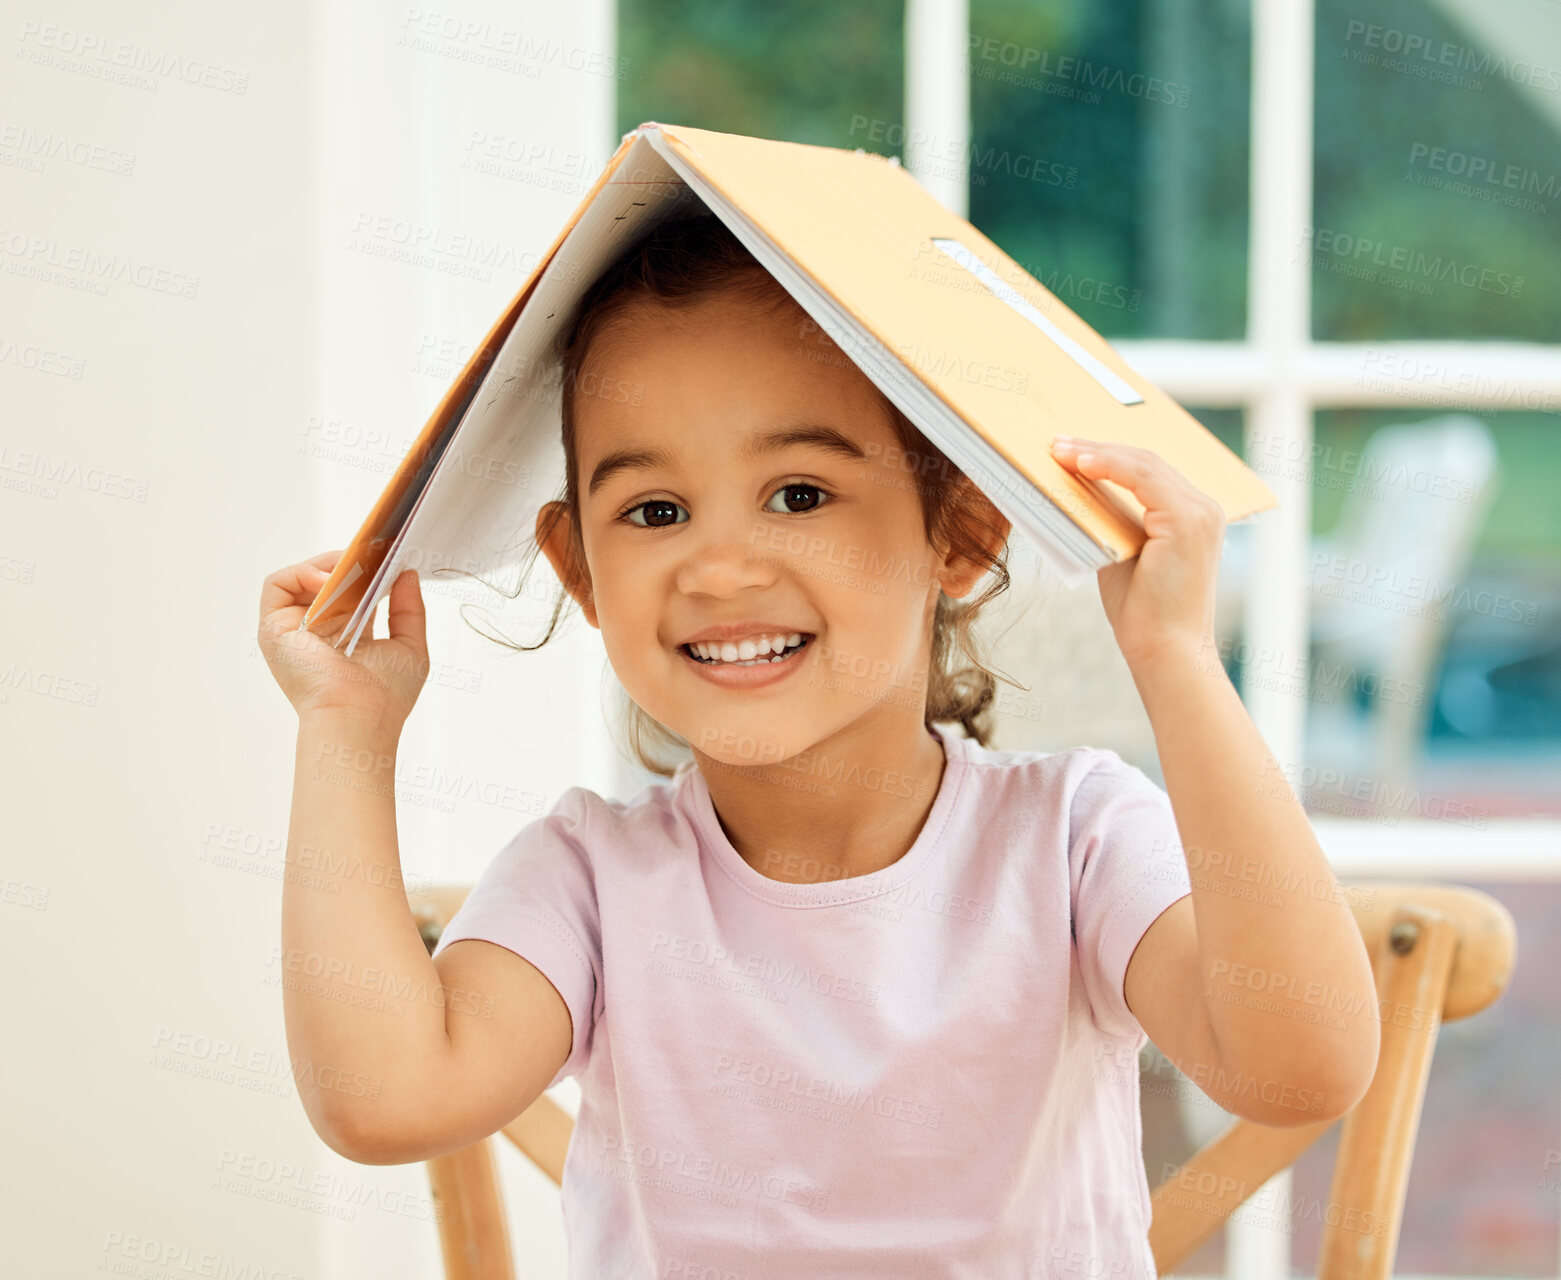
<point>848,993</point>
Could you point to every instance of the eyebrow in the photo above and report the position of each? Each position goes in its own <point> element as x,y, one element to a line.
<point>754,445</point>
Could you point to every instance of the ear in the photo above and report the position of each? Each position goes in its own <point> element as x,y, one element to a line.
<point>958,574</point>
<point>552,531</point>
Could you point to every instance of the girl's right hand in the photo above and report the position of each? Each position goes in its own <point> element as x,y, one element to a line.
<point>380,680</point>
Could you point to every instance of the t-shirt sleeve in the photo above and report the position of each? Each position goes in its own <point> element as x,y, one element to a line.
<point>1126,866</point>
<point>537,898</point>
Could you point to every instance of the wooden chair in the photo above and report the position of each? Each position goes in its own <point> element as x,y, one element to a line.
<point>1439,952</point>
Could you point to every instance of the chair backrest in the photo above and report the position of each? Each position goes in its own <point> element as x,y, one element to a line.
<point>1407,528</point>
<point>1439,953</point>
<point>1384,580</point>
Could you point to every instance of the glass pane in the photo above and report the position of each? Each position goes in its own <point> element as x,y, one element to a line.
<point>1434,675</point>
<point>1226,424</point>
<point>1109,156</point>
<point>1437,206</point>
<point>806,71</point>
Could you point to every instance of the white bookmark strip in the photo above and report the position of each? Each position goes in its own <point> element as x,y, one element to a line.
<point>1107,379</point>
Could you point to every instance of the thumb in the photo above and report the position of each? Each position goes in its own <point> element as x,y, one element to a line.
<point>407,618</point>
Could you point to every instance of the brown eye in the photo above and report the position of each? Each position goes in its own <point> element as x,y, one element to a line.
<point>661,506</point>
<point>796,492</point>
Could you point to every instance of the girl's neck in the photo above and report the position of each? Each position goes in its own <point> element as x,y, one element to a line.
<point>850,805</point>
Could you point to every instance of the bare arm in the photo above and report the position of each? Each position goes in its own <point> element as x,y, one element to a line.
<point>396,1058</point>
<point>1264,998</point>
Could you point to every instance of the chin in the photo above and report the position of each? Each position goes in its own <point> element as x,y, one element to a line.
<point>747,742</point>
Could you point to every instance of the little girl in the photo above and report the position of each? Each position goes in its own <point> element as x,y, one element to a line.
<point>849,993</point>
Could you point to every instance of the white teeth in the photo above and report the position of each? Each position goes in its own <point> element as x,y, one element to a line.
<point>747,652</point>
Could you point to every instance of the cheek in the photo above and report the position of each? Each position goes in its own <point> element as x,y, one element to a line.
<point>623,589</point>
<point>628,624</point>
<point>882,619</point>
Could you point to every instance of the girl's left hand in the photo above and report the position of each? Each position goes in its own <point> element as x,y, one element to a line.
<point>1164,596</point>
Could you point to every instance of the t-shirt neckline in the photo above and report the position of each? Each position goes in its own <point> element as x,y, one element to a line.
<point>833,892</point>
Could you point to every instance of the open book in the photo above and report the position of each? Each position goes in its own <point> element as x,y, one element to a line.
<point>987,363</point>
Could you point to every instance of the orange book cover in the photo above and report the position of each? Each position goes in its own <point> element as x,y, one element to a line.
<point>982,357</point>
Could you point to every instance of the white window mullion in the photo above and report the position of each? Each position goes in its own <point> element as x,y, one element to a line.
<point>937,99</point>
<point>1279,327</point>
<point>1437,375</point>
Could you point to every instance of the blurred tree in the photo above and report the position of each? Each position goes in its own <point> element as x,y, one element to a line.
<point>1447,263</point>
<point>1143,107</point>
<point>804,71</point>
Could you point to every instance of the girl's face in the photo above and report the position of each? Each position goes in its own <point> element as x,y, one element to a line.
<point>736,470</point>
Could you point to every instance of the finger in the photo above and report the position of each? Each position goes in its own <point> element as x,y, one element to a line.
<point>1069,446</point>
<point>297,584</point>
<point>1146,475</point>
<point>406,617</point>
<point>289,586</point>
<point>279,591</point>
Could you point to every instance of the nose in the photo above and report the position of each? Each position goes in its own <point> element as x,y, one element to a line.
<point>727,554</point>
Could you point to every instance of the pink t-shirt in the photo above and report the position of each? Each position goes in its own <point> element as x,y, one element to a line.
<point>927,1071</point>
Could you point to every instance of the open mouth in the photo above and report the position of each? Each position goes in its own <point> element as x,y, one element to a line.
<point>768,659</point>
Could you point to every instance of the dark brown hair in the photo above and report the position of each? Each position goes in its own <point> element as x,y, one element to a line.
<point>686,259</point>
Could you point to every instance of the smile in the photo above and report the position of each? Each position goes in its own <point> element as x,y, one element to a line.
<point>749,672</point>
<point>735,657</point>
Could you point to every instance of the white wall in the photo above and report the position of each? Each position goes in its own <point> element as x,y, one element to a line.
<point>159,454</point>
